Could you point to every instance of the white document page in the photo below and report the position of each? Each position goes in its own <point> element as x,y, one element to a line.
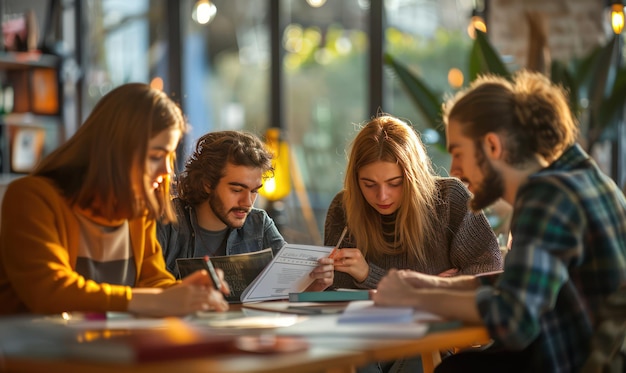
<point>287,273</point>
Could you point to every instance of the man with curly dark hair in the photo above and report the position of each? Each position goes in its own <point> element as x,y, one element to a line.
<point>215,204</point>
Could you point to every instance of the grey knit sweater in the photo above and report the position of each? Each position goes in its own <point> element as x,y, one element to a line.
<point>465,240</point>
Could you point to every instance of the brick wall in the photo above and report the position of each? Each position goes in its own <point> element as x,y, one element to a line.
<point>574,27</point>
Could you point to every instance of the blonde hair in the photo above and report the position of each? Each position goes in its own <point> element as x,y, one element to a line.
<point>94,167</point>
<point>388,139</point>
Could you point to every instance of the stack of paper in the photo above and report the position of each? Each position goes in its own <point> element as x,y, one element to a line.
<point>367,312</point>
<point>364,320</point>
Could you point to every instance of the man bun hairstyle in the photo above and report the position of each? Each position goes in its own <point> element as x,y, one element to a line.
<point>530,112</point>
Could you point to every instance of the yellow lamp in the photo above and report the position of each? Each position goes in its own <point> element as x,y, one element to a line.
<point>617,17</point>
<point>278,186</point>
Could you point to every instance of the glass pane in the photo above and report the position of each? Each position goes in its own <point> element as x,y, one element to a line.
<point>226,68</point>
<point>120,44</point>
<point>325,80</point>
<point>430,38</point>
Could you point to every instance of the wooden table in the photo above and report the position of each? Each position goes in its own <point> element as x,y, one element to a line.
<point>428,347</point>
<point>314,360</point>
<point>327,354</point>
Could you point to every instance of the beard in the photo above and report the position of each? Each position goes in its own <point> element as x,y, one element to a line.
<point>217,206</point>
<point>491,188</point>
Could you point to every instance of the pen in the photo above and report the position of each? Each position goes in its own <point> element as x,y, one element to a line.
<point>209,267</point>
<point>336,248</point>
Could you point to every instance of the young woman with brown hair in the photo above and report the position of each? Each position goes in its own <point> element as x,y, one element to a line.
<point>79,233</point>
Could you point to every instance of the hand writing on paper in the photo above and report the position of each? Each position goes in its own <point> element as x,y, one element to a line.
<point>214,298</point>
<point>194,293</point>
<point>324,275</point>
<point>352,262</point>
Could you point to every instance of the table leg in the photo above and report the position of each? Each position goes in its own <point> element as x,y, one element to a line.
<point>341,370</point>
<point>430,360</point>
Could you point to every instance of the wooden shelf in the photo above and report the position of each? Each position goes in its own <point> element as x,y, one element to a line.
<point>29,120</point>
<point>34,127</point>
<point>27,60</point>
<point>7,178</point>
<point>42,132</point>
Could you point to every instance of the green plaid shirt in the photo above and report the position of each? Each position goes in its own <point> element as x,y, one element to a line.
<point>568,253</point>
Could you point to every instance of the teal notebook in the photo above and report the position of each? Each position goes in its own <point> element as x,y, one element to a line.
<point>329,296</point>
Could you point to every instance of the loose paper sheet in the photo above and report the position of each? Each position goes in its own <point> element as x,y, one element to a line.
<point>367,312</point>
<point>287,273</point>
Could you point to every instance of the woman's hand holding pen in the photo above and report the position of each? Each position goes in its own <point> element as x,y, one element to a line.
<point>214,298</point>
<point>206,280</point>
<point>324,275</point>
<point>352,262</point>
<point>195,292</point>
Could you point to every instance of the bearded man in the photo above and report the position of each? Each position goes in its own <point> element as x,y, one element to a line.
<point>515,140</point>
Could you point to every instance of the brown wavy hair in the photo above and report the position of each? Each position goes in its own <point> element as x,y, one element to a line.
<point>389,139</point>
<point>213,151</point>
<point>94,167</point>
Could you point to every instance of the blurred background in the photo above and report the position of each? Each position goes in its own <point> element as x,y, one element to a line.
<point>310,70</point>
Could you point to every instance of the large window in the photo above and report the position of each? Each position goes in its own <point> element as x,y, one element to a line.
<point>430,37</point>
<point>324,52</point>
<point>326,90</point>
<point>123,44</point>
<point>226,68</point>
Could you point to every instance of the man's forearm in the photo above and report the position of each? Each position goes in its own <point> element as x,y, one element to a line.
<point>450,304</point>
<point>465,282</point>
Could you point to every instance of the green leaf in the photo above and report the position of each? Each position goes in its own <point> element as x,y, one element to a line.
<point>477,64</point>
<point>600,73</point>
<point>561,75</point>
<point>484,59</point>
<point>582,70</point>
<point>612,108</point>
<point>428,102</point>
<point>597,89</point>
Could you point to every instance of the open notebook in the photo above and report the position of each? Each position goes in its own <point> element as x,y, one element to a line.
<point>240,270</point>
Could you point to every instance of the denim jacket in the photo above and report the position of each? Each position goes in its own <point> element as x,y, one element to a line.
<point>178,240</point>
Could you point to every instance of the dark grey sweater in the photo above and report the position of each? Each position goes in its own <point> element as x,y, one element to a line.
<point>465,240</point>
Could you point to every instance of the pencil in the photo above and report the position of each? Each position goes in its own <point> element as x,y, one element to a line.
<point>336,248</point>
<point>209,267</point>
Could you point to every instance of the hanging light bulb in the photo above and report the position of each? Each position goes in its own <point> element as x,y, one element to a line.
<point>203,11</point>
<point>477,22</point>
<point>617,17</point>
<point>316,3</point>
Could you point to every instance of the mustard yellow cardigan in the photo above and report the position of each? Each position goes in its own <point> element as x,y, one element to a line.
<point>39,238</point>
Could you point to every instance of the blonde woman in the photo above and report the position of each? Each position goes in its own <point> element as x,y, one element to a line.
<point>399,215</point>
